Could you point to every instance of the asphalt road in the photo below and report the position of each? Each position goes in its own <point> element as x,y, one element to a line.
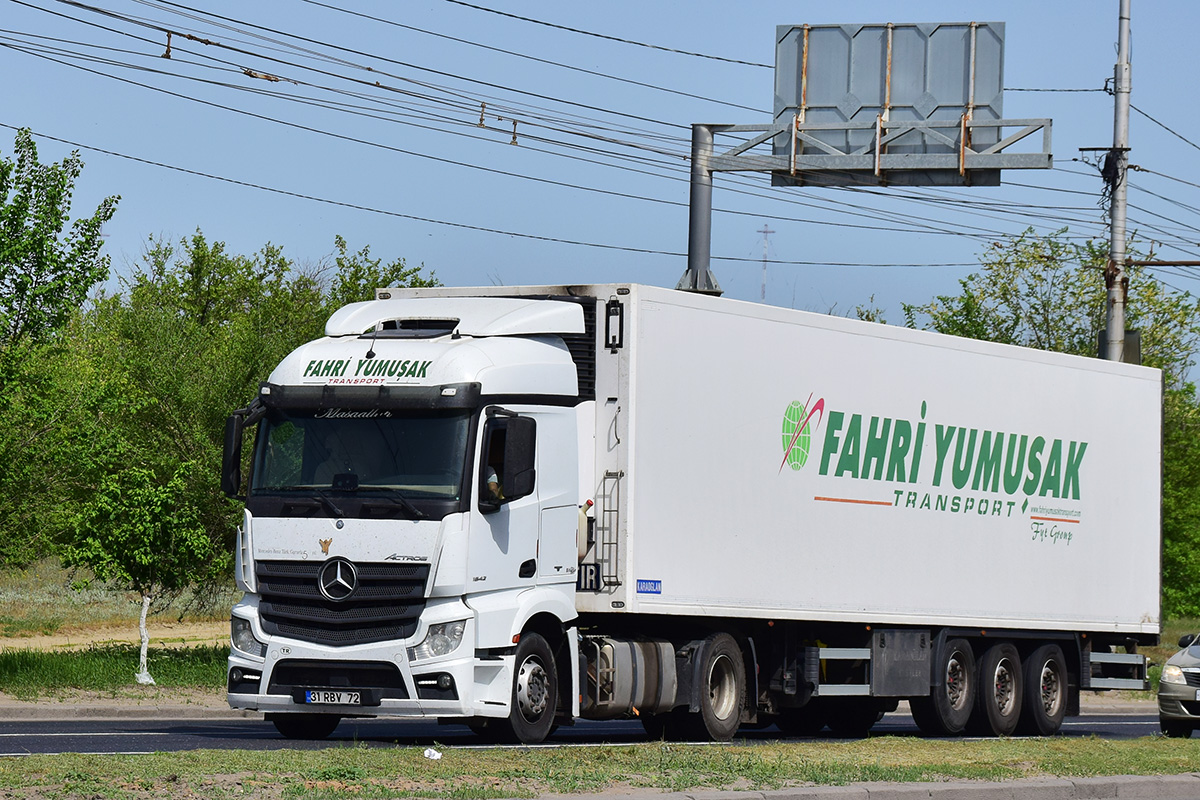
<point>20,738</point>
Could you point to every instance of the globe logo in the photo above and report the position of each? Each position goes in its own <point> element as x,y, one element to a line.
<point>795,447</point>
<point>797,433</point>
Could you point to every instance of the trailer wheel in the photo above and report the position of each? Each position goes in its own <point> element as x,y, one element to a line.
<point>947,708</point>
<point>722,688</point>
<point>1001,689</point>
<point>305,726</point>
<point>1045,702</point>
<point>534,693</point>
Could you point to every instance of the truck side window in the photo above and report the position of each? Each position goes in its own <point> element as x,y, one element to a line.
<point>506,470</point>
<point>492,487</point>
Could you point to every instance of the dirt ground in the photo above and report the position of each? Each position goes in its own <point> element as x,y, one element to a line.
<point>163,633</point>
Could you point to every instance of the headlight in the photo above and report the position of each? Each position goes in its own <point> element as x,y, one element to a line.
<point>1172,674</point>
<point>242,636</point>
<point>441,640</point>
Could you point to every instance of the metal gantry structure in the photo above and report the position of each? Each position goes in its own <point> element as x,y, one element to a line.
<point>870,105</point>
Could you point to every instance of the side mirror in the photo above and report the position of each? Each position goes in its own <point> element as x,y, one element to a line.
<point>1186,640</point>
<point>519,452</point>
<point>231,457</point>
<point>517,473</point>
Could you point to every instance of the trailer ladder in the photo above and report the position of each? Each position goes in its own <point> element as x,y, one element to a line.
<point>608,528</point>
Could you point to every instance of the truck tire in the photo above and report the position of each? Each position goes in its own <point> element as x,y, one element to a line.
<point>722,689</point>
<point>305,726</point>
<point>946,710</point>
<point>1000,692</point>
<point>534,699</point>
<point>1045,692</point>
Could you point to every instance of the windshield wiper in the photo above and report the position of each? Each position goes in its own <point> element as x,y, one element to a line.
<point>395,498</point>
<point>327,501</point>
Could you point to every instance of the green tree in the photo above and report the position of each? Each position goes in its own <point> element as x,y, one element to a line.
<point>44,276</point>
<point>144,535</point>
<point>1048,293</point>
<point>47,268</point>
<point>357,275</point>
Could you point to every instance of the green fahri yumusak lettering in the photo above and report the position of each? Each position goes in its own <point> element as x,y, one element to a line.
<point>991,460</point>
<point>969,459</point>
<point>326,368</point>
<point>367,367</point>
<point>885,448</point>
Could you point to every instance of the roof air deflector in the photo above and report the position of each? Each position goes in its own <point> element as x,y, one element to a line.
<point>476,316</point>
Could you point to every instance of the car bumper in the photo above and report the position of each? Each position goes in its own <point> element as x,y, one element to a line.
<point>1179,702</point>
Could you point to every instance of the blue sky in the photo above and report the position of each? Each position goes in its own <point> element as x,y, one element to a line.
<point>600,164</point>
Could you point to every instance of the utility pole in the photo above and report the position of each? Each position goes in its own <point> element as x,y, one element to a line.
<point>765,232</point>
<point>1116,165</point>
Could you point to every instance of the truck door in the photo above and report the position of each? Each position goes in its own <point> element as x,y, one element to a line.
<point>504,534</point>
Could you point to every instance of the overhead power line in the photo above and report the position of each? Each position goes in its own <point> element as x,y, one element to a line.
<point>1009,89</point>
<point>1174,133</point>
<point>915,223</point>
<point>526,56</point>
<point>609,38</point>
<point>453,110</point>
<point>480,228</point>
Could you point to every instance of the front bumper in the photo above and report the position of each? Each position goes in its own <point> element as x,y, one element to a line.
<point>459,684</point>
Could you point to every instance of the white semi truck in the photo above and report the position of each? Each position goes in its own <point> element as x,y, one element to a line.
<point>516,507</point>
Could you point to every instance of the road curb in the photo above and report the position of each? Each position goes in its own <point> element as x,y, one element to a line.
<point>57,713</point>
<point>1119,787</point>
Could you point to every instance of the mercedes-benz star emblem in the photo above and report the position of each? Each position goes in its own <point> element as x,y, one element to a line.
<point>337,579</point>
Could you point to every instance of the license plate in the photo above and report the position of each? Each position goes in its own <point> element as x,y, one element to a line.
<point>321,697</point>
<point>1198,695</point>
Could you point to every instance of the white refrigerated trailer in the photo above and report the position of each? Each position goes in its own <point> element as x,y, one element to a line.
<point>519,506</point>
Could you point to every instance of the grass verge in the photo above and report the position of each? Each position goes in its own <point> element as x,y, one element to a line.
<point>41,599</point>
<point>30,674</point>
<point>357,771</point>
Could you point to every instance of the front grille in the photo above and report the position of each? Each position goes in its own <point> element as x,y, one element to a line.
<point>1192,677</point>
<point>385,606</point>
<point>377,679</point>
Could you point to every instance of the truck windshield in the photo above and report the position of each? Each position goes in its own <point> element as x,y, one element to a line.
<point>405,455</point>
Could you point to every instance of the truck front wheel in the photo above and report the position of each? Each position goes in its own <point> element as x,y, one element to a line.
<point>535,692</point>
<point>947,708</point>
<point>305,726</point>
